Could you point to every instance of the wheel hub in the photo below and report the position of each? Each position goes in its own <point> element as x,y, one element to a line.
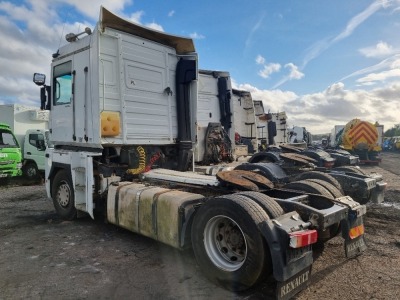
<point>225,243</point>
<point>31,172</point>
<point>63,194</point>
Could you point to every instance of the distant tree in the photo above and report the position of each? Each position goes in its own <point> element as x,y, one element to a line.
<point>318,137</point>
<point>394,131</point>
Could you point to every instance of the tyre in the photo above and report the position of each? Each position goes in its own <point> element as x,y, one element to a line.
<point>270,206</point>
<point>227,243</point>
<point>31,171</point>
<point>309,187</point>
<point>350,169</point>
<point>333,190</point>
<point>322,176</point>
<point>63,195</point>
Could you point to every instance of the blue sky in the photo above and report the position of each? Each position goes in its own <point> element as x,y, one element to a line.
<point>323,62</point>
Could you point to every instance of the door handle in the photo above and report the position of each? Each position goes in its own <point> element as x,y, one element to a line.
<point>28,153</point>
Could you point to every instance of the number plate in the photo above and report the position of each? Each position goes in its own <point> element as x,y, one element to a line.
<point>294,254</point>
<point>3,175</point>
<point>355,247</point>
<point>287,289</point>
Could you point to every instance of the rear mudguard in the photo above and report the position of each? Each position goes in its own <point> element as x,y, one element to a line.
<point>286,262</point>
<point>272,171</point>
<point>344,160</point>
<point>271,156</point>
<point>359,187</point>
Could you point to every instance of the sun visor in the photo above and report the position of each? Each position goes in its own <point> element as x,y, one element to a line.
<point>181,44</point>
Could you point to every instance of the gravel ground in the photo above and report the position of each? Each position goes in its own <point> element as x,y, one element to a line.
<point>43,257</point>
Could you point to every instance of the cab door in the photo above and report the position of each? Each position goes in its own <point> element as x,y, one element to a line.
<point>70,97</point>
<point>62,106</point>
<point>34,147</point>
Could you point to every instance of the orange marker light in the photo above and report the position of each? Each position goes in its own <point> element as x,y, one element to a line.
<point>356,231</point>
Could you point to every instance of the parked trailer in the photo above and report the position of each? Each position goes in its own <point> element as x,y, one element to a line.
<point>124,128</point>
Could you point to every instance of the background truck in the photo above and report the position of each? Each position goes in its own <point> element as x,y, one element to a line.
<point>361,138</point>
<point>334,135</point>
<point>30,127</point>
<point>300,135</point>
<point>10,153</point>
<point>272,127</point>
<point>226,121</point>
<point>124,119</point>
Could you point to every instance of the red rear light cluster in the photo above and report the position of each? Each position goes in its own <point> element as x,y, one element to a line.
<point>329,164</point>
<point>304,238</point>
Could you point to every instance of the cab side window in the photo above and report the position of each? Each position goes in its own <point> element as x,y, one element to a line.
<point>36,140</point>
<point>62,84</point>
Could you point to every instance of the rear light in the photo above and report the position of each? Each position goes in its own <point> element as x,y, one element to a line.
<point>356,231</point>
<point>302,238</point>
<point>381,185</point>
<point>329,164</point>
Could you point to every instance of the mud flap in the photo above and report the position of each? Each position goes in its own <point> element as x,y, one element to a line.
<point>287,289</point>
<point>291,267</point>
<point>353,234</point>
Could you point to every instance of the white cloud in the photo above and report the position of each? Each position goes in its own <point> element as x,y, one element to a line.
<point>360,18</point>
<point>388,63</point>
<point>136,17</point>
<point>155,26</point>
<point>269,69</point>
<point>294,71</point>
<point>253,31</point>
<point>171,13</point>
<point>260,60</point>
<point>31,31</point>
<point>336,105</point>
<point>91,8</point>
<point>381,49</point>
<point>294,74</point>
<point>388,69</point>
<point>197,36</point>
<point>382,76</point>
<point>320,46</point>
<point>273,100</point>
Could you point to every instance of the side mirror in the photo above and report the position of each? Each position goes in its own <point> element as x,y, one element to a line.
<point>39,79</point>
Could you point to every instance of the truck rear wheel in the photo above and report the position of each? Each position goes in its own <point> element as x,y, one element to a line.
<point>322,176</point>
<point>63,195</point>
<point>333,190</point>
<point>227,243</point>
<point>270,206</point>
<point>309,187</point>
